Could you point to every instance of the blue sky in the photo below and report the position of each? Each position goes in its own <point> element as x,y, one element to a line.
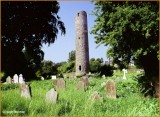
<point>58,51</point>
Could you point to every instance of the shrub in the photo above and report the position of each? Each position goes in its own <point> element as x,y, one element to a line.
<point>9,86</point>
<point>106,70</point>
<point>127,87</point>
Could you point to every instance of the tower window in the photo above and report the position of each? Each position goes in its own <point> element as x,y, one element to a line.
<point>78,14</point>
<point>78,37</point>
<point>80,67</point>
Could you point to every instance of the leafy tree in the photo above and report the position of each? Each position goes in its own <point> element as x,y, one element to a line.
<point>46,69</point>
<point>72,56</point>
<point>106,70</point>
<point>95,65</point>
<point>25,27</point>
<point>130,29</point>
<point>67,67</point>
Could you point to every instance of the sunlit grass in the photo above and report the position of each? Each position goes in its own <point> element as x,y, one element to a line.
<point>72,102</point>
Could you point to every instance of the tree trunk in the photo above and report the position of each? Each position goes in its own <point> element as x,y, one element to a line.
<point>150,64</point>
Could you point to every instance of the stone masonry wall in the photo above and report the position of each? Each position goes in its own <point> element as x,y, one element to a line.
<point>82,50</point>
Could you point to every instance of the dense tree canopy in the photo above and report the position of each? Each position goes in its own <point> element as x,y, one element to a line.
<point>25,27</point>
<point>130,30</point>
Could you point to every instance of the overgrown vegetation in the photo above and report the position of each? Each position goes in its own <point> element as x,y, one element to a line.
<point>72,102</point>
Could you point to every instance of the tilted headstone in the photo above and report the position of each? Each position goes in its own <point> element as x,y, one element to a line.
<point>111,89</point>
<point>85,80</point>
<point>51,96</point>
<point>15,78</point>
<point>53,77</point>
<point>124,74</point>
<point>9,80</point>
<point>80,86</point>
<point>96,96</point>
<point>25,91</point>
<point>21,80</point>
<point>60,84</point>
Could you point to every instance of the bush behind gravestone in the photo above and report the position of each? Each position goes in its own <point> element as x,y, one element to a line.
<point>9,86</point>
<point>127,87</point>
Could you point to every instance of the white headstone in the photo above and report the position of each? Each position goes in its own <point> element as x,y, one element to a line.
<point>9,79</point>
<point>21,80</point>
<point>124,74</point>
<point>103,76</point>
<point>53,77</point>
<point>42,78</point>
<point>15,78</point>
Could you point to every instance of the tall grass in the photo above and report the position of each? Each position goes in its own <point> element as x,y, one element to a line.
<point>72,102</point>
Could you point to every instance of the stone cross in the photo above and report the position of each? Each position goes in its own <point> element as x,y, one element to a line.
<point>124,73</point>
<point>21,80</point>
<point>51,96</point>
<point>25,91</point>
<point>111,89</point>
<point>9,80</point>
<point>15,78</point>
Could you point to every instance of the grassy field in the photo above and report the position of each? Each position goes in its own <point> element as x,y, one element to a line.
<point>71,102</point>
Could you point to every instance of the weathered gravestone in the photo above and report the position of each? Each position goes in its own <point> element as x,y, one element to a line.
<point>84,79</point>
<point>21,80</point>
<point>60,84</point>
<point>25,91</point>
<point>51,96</point>
<point>15,78</point>
<point>95,96</point>
<point>111,89</point>
<point>80,86</point>
<point>9,80</point>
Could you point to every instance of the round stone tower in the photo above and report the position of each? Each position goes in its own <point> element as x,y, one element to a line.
<point>82,50</point>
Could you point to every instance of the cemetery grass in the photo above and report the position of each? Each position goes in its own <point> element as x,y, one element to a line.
<point>72,102</point>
